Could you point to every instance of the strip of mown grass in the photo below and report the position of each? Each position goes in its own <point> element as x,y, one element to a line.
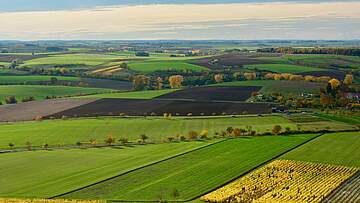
<point>69,132</point>
<point>33,78</point>
<point>193,174</point>
<point>149,94</point>
<point>335,148</point>
<point>40,92</point>
<point>42,174</point>
<point>282,68</point>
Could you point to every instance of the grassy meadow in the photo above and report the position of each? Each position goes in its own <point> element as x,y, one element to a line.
<point>40,92</point>
<point>151,66</point>
<point>68,132</point>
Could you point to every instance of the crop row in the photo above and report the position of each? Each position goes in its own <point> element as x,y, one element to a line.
<point>284,181</point>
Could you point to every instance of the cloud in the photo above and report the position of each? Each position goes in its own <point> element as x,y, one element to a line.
<point>185,21</point>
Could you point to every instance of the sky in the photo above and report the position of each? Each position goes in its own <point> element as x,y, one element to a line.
<point>174,19</point>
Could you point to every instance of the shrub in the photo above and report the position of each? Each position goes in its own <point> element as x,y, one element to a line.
<point>204,134</point>
<point>92,141</point>
<point>143,138</point>
<point>171,139</point>
<point>27,99</point>
<point>193,135</point>
<point>10,100</point>
<point>182,138</point>
<point>28,145</point>
<point>11,145</point>
<point>276,129</point>
<point>109,140</point>
<point>124,140</point>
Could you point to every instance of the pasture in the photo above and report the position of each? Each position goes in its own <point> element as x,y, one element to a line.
<point>191,175</point>
<point>40,92</point>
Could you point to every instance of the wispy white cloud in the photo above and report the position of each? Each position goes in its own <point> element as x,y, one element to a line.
<point>199,21</point>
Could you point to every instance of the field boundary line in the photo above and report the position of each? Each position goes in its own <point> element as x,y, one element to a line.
<point>233,179</point>
<point>141,167</point>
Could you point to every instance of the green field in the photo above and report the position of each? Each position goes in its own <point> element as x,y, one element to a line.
<point>151,66</point>
<point>33,78</point>
<point>73,59</point>
<point>149,94</point>
<point>335,148</point>
<point>279,86</point>
<point>42,174</point>
<point>192,174</point>
<point>355,120</point>
<point>68,132</point>
<point>40,92</point>
<point>282,68</point>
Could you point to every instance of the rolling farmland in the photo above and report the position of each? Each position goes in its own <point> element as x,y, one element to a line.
<point>216,163</point>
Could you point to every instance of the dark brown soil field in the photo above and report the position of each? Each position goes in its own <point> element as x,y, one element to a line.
<point>140,107</point>
<point>234,60</point>
<point>233,93</point>
<point>10,58</point>
<point>333,74</point>
<point>30,110</point>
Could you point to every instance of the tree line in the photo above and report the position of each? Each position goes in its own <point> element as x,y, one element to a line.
<point>317,50</point>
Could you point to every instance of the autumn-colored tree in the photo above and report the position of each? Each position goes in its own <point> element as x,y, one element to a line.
<point>309,78</point>
<point>218,78</point>
<point>250,76</point>
<point>204,134</point>
<point>296,77</point>
<point>348,79</point>
<point>140,82</point>
<point>159,83</point>
<point>325,100</point>
<point>335,83</point>
<point>109,140</point>
<point>286,76</point>
<point>276,129</point>
<point>277,76</point>
<point>176,81</point>
<point>269,76</point>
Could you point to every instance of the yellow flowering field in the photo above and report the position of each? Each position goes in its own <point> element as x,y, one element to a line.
<point>284,181</point>
<point>47,201</point>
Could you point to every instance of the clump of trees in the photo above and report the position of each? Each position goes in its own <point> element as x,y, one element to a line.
<point>175,81</point>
